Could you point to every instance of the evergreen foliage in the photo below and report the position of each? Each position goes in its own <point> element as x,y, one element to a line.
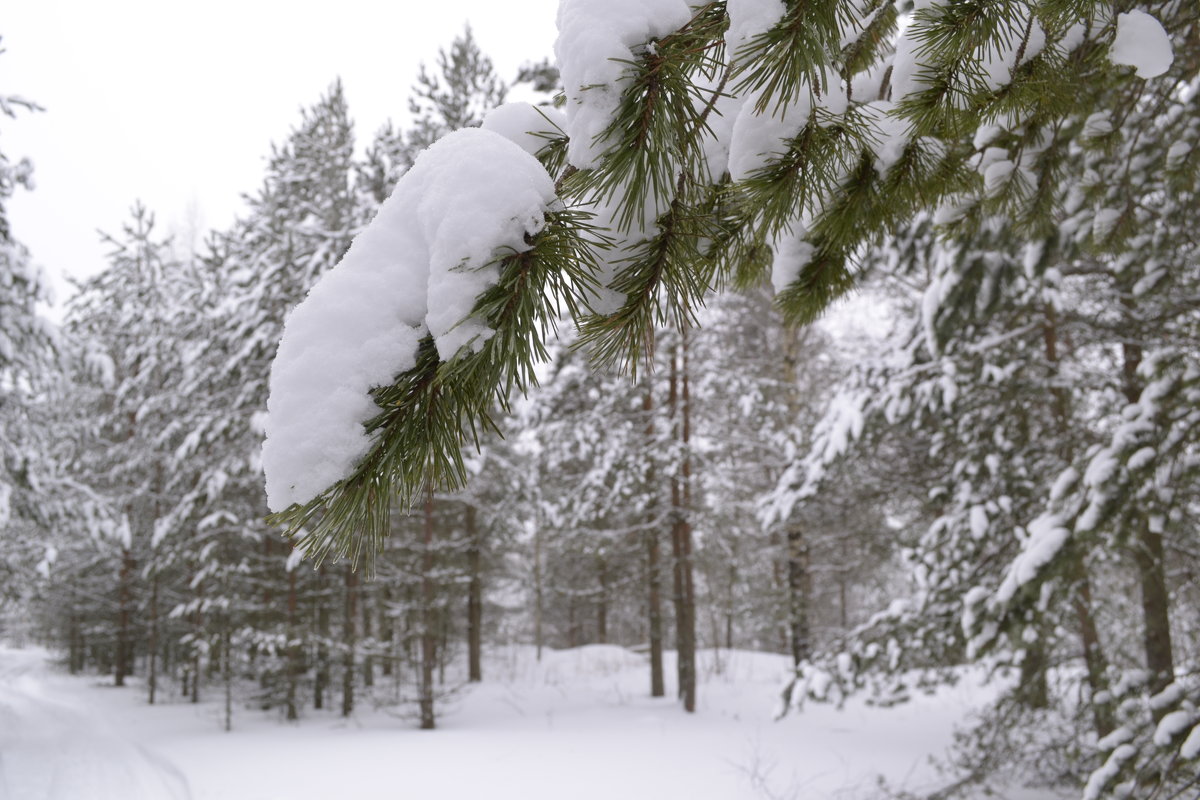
<point>854,169</point>
<point>29,374</point>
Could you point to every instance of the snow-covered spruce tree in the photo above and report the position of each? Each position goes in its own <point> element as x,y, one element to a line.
<point>695,138</point>
<point>464,87</point>
<point>757,387</point>
<point>972,394</point>
<point>28,364</point>
<point>1126,497</point>
<point>124,322</point>
<point>298,225</point>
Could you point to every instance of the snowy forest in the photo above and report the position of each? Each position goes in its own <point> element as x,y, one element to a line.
<point>831,364</point>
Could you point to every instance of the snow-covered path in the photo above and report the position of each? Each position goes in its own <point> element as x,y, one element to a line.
<point>54,745</point>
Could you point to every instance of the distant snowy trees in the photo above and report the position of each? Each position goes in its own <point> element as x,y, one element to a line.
<point>28,370</point>
<point>1034,373</point>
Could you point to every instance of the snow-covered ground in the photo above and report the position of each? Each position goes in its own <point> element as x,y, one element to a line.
<point>577,726</point>
<point>62,738</point>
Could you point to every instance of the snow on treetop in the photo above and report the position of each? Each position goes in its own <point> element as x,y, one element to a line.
<point>417,268</point>
<point>594,37</point>
<point>1141,43</point>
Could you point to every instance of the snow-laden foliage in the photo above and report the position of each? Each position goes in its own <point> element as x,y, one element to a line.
<point>29,379</point>
<point>1047,374</point>
<point>830,126</point>
<point>433,247</point>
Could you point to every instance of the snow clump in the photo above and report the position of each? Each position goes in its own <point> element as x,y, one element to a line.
<point>529,127</point>
<point>594,38</point>
<point>1141,43</point>
<point>417,269</point>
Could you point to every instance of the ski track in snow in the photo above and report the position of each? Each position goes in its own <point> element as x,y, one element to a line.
<point>54,746</point>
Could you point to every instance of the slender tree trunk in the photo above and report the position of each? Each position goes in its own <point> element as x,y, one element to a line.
<point>653,557</point>
<point>572,623</point>
<point>75,646</point>
<point>1093,653</point>
<point>227,674</point>
<point>538,589</point>
<point>798,582</point>
<point>474,599</point>
<point>796,567</point>
<point>214,660</point>
<point>197,587</point>
<point>368,660</point>
<point>843,614</point>
<point>1032,689</point>
<point>602,602</point>
<point>1148,555</point>
<point>1156,635</point>
<point>387,627</point>
<point>321,679</point>
<point>654,579</point>
<point>780,583</point>
<point>443,644</point>
<point>152,645</point>
<point>429,618</point>
<point>293,649</point>
<point>731,575</point>
<point>195,670</point>
<point>348,640</point>
<point>681,530</point>
<point>122,665</point>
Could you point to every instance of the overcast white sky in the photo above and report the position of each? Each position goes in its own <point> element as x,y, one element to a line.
<point>177,104</point>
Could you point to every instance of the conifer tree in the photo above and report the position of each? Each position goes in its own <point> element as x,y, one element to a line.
<point>298,224</point>
<point>124,320</point>
<point>28,365</point>
<point>817,155</point>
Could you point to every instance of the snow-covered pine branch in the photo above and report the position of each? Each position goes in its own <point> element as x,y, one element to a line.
<point>711,144</point>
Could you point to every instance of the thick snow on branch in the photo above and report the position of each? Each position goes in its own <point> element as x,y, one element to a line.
<point>594,37</point>
<point>530,127</point>
<point>1141,43</point>
<point>791,254</point>
<point>418,268</point>
<point>1047,536</point>
<point>749,18</point>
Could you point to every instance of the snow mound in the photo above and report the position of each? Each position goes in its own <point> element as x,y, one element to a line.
<point>417,268</point>
<point>791,255</point>
<point>530,127</point>
<point>594,38</point>
<point>1141,43</point>
<point>749,18</point>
